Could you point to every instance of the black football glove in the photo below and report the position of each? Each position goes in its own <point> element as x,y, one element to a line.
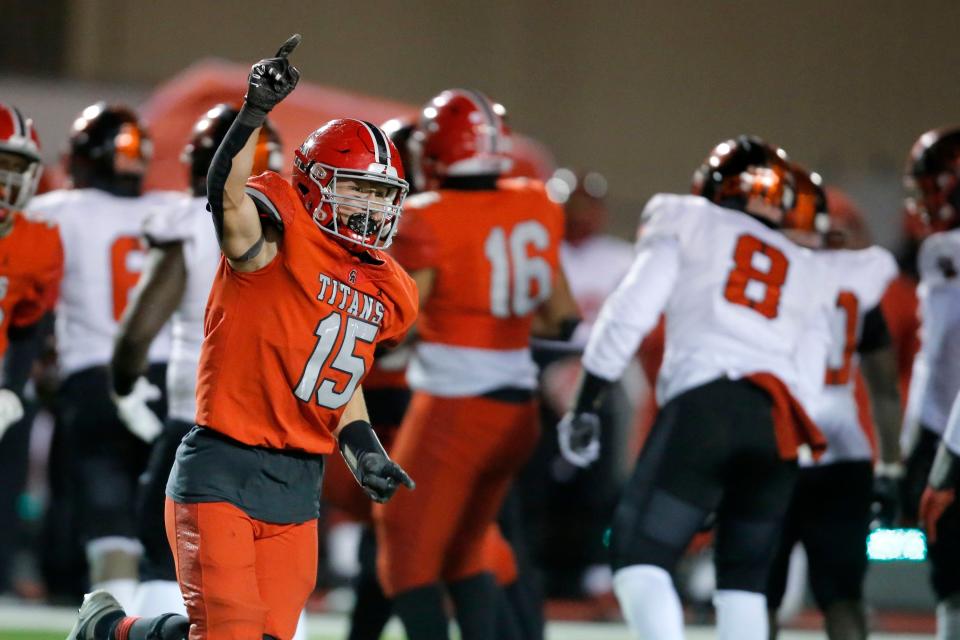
<point>887,480</point>
<point>378,475</point>
<point>272,79</point>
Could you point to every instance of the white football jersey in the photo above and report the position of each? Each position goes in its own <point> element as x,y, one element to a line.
<point>862,277</point>
<point>103,258</point>
<point>936,369</point>
<point>188,222</point>
<point>593,268</point>
<point>951,436</point>
<point>739,298</point>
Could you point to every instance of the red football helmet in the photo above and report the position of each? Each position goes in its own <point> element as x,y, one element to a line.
<point>460,132</point>
<point>932,179</point>
<point>743,169</point>
<point>20,165</point>
<point>208,133</point>
<point>354,150</point>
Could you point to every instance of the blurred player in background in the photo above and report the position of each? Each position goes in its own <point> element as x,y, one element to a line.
<point>933,178</point>
<point>594,262</point>
<point>31,266</point>
<point>830,511</point>
<point>740,300</point>
<point>176,282</point>
<point>31,255</point>
<point>100,220</point>
<point>300,301</point>
<point>484,254</point>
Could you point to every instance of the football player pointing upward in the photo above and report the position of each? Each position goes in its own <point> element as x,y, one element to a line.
<point>300,301</point>
<point>739,300</point>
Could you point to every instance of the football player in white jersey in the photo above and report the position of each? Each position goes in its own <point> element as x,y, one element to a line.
<point>830,511</point>
<point>100,220</point>
<point>933,175</point>
<point>178,272</point>
<point>741,300</point>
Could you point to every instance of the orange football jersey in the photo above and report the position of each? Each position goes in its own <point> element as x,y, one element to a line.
<point>31,266</point>
<point>286,346</point>
<point>496,258</point>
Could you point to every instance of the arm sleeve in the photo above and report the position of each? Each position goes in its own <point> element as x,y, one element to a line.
<point>633,308</point>
<point>813,348</point>
<point>875,334</point>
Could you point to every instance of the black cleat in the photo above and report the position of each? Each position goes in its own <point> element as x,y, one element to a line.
<point>96,606</point>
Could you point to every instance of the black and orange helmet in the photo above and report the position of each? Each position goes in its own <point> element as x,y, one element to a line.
<point>109,150</point>
<point>932,179</point>
<point>809,211</point>
<point>208,133</point>
<point>745,168</point>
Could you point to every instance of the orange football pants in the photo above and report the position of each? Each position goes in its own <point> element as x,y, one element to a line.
<point>240,577</point>
<point>463,453</point>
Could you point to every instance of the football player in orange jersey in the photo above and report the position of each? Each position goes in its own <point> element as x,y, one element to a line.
<point>303,296</point>
<point>31,256</point>
<point>484,253</point>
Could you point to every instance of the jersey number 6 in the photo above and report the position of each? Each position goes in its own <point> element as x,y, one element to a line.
<point>531,275</point>
<point>762,264</point>
<point>346,361</point>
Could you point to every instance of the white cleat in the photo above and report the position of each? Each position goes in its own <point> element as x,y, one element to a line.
<point>95,607</point>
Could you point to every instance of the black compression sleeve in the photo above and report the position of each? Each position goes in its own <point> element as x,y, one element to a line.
<point>356,439</point>
<point>26,346</point>
<point>591,392</point>
<point>246,123</point>
<point>875,334</point>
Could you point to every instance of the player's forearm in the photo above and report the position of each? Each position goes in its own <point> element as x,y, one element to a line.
<point>559,316</point>
<point>229,171</point>
<point>26,345</point>
<point>880,373</point>
<point>157,296</point>
<point>355,410</point>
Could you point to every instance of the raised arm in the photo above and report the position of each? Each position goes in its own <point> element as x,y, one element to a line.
<point>245,243</point>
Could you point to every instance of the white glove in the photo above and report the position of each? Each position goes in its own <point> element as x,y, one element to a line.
<point>579,436</point>
<point>11,410</point>
<point>133,410</point>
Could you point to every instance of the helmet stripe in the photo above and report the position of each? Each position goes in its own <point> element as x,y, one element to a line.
<point>19,127</point>
<point>380,144</point>
<point>483,103</point>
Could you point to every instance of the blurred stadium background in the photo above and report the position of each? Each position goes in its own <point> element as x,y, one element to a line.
<point>638,91</point>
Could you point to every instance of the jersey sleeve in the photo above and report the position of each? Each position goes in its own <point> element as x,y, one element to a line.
<point>406,303</point>
<point>416,245</point>
<point>274,198</point>
<point>634,307</point>
<point>169,222</point>
<point>660,219</point>
<point>951,435</point>
<point>939,260</point>
<point>46,279</point>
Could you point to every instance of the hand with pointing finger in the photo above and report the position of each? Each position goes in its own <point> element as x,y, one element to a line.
<point>272,79</point>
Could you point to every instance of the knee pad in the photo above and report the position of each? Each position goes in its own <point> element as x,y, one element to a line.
<point>744,554</point>
<point>655,533</point>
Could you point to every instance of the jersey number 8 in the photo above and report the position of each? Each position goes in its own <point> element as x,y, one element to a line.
<point>756,262</point>
<point>531,275</point>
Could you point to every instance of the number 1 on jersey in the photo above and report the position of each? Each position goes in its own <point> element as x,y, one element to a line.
<point>531,275</point>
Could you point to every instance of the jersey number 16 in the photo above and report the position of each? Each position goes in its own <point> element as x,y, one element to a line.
<point>519,282</point>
